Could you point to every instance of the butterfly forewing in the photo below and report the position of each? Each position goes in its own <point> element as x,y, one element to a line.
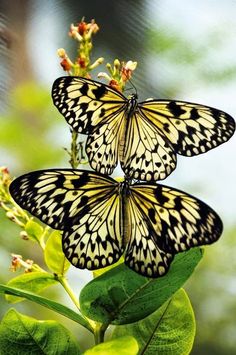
<point>191,128</point>
<point>177,221</point>
<point>57,196</point>
<point>85,103</point>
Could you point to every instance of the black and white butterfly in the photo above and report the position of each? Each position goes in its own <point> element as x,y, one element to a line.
<point>145,137</point>
<point>102,219</point>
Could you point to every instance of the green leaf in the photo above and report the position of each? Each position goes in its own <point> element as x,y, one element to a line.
<point>34,230</point>
<point>125,345</point>
<point>33,281</point>
<point>20,334</point>
<point>54,256</point>
<point>170,330</point>
<point>55,306</point>
<point>121,296</point>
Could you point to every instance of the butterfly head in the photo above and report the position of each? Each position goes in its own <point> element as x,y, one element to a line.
<point>133,103</point>
<point>133,97</point>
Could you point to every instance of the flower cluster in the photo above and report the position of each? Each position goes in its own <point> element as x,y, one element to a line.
<point>13,211</point>
<point>17,263</point>
<point>82,33</point>
<point>120,73</point>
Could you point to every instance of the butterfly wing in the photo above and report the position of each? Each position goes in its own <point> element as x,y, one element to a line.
<point>102,146</point>
<point>191,128</point>
<point>176,221</point>
<point>147,153</point>
<point>86,103</point>
<point>142,253</point>
<point>84,205</point>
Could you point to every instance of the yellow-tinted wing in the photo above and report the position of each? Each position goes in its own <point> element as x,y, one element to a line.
<point>142,253</point>
<point>191,128</point>
<point>84,205</point>
<point>103,144</point>
<point>176,221</point>
<point>85,103</point>
<point>147,154</point>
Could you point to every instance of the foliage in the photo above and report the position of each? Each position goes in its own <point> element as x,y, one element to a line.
<point>20,334</point>
<point>158,334</point>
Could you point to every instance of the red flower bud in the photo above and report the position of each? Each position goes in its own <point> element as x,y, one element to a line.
<point>82,62</point>
<point>114,85</point>
<point>82,28</point>
<point>65,64</point>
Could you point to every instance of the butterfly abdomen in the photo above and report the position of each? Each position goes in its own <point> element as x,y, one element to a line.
<point>124,137</point>
<point>126,225</point>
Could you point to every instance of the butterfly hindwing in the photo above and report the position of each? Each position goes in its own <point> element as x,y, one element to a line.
<point>148,154</point>
<point>95,239</point>
<point>191,128</point>
<point>103,144</point>
<point>142,253</point>
<point>84,205</point>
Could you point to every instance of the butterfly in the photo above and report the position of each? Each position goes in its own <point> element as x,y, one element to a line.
<point>102,219</point>
<point>145,137</point>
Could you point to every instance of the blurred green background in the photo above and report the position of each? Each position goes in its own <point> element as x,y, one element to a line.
<point>185,50</point>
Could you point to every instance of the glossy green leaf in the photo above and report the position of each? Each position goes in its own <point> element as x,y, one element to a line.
<point>169,330</point>
<point>33,281</point>
<point>54,306</point>
<point>34,230</point>
<point>54,256</point>
<point>121,296</point>
<point>125,345</point>
<point>20,334</point>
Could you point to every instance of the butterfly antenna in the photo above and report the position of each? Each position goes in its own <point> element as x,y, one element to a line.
<point>133,86</point>
<point>136,94</point>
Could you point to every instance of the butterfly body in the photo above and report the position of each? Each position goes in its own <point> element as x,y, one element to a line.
<point>102,219</point>
<point>144,136</point>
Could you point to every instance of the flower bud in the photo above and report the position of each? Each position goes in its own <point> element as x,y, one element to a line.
<point>117,64</point>
<point>66,64</point>
<point>82,27</point>
<point>11,216</point>
<point>115,85</point>
<point>61,52</point>
<point>24,235</point>
<point>104,75</point>
<point>96,63</point>
<point>15,262</point>
<point>130,65</point>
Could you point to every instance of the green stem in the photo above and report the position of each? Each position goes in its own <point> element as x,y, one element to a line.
<point>63,281</point>
<point>99,332</point>
<point>74,161</point>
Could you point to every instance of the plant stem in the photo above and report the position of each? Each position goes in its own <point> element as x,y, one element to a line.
<point>74,161</point>
<point>63,281</point>
<point>99,332</point>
